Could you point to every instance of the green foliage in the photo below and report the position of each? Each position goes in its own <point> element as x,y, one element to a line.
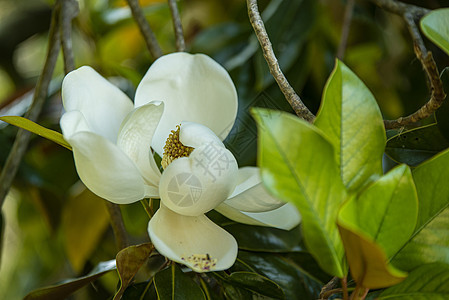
<point>435,26</point>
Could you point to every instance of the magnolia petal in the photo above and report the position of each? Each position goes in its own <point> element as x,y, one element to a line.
<point>285,217</point>
<point>72,122</point>
<point>135,138</point>
<point>103,105</point>
<point>250,195</point>
<point>184,239</point>
<point>194,135</point>
<point>194,88</point>
<point>105,169</point>
<point>194,185</point>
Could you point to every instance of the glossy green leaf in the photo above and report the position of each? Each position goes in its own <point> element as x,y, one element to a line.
<point>2,232</point>
<point>141,291</point>
<point>414,146</point>
<point>298,165</point>
<point>442,114</point>
<point>435,26</point>
<point>129,261</point>
<point>37,129</point>
<point>350,117</point>
<point>428,282</point>
<point>237,293</point>
<point>257,283</point>
<point>172,284</point>
<point>430,240</point>
<point>367,261</point>
<point>386,211</point>
<point>69,286</point>
<point>288,273</point>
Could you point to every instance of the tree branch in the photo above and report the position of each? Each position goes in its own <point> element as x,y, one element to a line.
<point>69,10</point>
<point>40,94</point>
<point>120,233</point>
<point>345,29</point>
<point>180,44</point>
<point>259,28</point>
<point>411,14</point>
<point>145,29</point>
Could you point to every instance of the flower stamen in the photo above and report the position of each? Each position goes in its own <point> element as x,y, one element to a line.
<point>174,149</point>
<point>201,262</point>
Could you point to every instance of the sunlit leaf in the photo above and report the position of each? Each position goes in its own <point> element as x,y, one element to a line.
<point>37,129</point>
<point>85,219</point>
<point>350,117</point>
<point>69,286</point>
<point>367,261</point>
<point>430,240</point>
<point>129,261</point>
<point>414,146</point>
<point>428,282</point>
<point>172,284</point>
<point>298,165</point>
<point>257,283</point>
<point>386,211</point>
<point>435,26</point>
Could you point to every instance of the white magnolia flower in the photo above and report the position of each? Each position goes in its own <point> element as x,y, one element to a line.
<point>184,107</point>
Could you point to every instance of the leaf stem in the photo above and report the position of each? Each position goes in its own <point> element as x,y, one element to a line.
<point>148,206</point>
<point>259,28</point>
<point>120,233</point>
<point>180,43</point>
<point>145,29</point>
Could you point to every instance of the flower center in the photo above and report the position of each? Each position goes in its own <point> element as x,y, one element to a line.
<point>201,262</point>
<point>174,149</point>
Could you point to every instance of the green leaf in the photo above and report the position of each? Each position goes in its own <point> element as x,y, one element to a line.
<point>414,146</point>
<point>435,26</point>
<point>391,221</point>
<point>367,261</point>
<point>141,291</point>
<point>84,220</point>
<point>442,114</point>
<point>69,286</point>
<point>2,232</point>
<point>430,240</point>
<point>257,283</point>
<point>37,129</point>
<point>289,273</point>
<point>350,117</point>
<point>172,283</point>
<point>426,282</point>
<point>129,261</point>
<point>298,165</point>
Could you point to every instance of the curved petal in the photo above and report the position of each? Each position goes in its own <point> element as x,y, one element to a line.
<point>194,135</point>
<point>106,170</point>
<point>194,88</point>
<point>250,195</point>
<point>72,122</point>
<point>135,138</point>
<point>196,184</point>
<point>285,217</point>
<point>103,105</point>
<point>192,240</point>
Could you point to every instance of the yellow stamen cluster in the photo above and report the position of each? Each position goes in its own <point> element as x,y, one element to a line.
<point>174,149</point>
<point>201,262</point>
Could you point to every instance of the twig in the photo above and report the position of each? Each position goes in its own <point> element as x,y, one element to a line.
<point>344,284</point>
<point>410,14</point>
<point>69,10</point>
<point>145,29</point>
<point>259,28</point>
<point>330,286</point>
<point>180,44</point>
<point>345,30</point>
<point>40,94</point>
<point>121,236</point>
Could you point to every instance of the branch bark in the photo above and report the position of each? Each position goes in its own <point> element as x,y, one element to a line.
<point>259,28</point>
<point>40,94</point>
<point>69,10</point>
<point>180,43</point>
<point>345,29</point>
<point>145,29</point>
<point>120,233</point>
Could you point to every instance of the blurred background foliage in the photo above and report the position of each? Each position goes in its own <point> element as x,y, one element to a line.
<point>54,228</point>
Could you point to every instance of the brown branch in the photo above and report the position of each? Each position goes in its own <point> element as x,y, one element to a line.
<point>180,44</point>
<point>40,94</point>
<point>145,29</point>
<point>120,233</point>
<point>345,29</point>
<point>69,10</point>
<point>259,28</point>
<point>411,14</point>
<point>329,287</point>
